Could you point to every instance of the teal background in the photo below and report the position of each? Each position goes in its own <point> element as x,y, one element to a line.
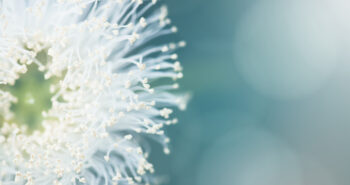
<point>269,83</point>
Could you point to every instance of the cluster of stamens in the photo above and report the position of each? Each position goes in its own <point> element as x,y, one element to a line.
<point>78,96</point>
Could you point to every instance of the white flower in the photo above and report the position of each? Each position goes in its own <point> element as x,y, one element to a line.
<point>81,86</point>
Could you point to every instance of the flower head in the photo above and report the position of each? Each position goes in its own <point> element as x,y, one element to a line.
<point>81,85</point>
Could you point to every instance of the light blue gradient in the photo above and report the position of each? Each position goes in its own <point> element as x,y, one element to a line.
<point>270,83</point>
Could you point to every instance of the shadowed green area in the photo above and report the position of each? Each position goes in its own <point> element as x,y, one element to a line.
<point>33,94</point>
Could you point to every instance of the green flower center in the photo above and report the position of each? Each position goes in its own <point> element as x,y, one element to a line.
<point>33,95</point>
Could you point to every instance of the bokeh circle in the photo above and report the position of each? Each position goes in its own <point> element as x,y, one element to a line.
<point>249,156</point>
<point>286,49</point>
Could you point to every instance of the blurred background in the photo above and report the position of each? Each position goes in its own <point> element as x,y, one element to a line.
<point>271,93</point>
